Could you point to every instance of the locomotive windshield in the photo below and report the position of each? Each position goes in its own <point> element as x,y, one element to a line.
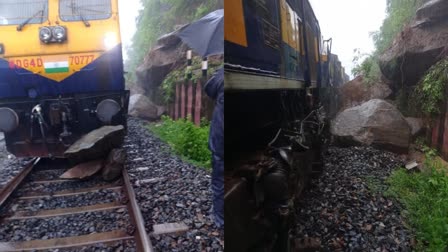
<point>82,10</point>
<point>14,12</point>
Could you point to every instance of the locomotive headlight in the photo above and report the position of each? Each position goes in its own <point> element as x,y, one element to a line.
<point>106,110</point>
<point>59,33</point>
<point>45,34</point>
<point>110,40</point>
<point>9,120</point>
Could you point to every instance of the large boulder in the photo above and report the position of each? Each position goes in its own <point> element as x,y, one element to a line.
<point>142,107</point>
<point>97,144</point>
<point>432,11</point>
<point>416,125</point>
<point>419,46</point>
<point>357,91</point>
<point>376,123</point>
<point>169,53</point>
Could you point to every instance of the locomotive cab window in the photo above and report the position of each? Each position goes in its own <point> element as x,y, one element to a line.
<point>13,12</point>
<point>83,10</point>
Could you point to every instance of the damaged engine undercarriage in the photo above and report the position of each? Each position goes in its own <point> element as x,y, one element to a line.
<point>264,177</point>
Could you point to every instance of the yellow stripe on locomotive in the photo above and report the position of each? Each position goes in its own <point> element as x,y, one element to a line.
<point>25,45</point>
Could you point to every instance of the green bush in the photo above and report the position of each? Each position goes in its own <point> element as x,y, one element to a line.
<point>430,93</point>
<point>186,139</point>
<point>425,197</point>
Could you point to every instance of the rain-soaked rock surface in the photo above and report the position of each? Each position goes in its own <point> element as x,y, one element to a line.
<point>96,144</point>
<point>419,46</point>
<point>345,208</point>
<point>170,190</point>
<point>373,123</point>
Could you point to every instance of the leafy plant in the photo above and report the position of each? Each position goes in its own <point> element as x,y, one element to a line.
<point>425,197</point>
<point>430,93</point>
<point>186,139</point>
<point>366,65</point>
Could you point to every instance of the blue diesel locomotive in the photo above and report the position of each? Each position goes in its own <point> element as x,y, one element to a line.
<point>278,72</point>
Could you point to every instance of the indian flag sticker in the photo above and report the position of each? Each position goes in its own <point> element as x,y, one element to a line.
<point>56,67</point>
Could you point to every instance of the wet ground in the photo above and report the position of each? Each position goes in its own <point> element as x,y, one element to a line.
<point>345,209</point>
<point>168,190</point>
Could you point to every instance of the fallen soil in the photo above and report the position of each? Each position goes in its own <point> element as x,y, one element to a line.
<point>345,210</point>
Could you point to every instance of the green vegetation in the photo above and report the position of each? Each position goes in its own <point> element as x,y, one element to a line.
<point>398,14</point>
<point>159,17</point>
<point>425,197</point>
<point>375,184</point>
<point>368,67</point>
<point>430,93</point>
<point>186,139</point>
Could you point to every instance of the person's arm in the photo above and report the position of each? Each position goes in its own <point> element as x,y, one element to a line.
<point>213,86</point>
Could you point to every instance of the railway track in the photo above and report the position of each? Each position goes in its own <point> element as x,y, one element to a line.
<point>40,212</point>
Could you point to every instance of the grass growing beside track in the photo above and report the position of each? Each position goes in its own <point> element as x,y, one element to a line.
<point>425,198</point>
<point>186,139</point>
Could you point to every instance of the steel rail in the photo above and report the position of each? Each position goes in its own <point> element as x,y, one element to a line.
<point>16,181</point>
<point>141,237</point>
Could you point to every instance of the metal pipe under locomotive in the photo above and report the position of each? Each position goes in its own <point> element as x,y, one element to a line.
<point>61,73</point>
<point>277,68</point>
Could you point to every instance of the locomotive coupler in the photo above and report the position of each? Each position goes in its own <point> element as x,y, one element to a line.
<point>37,113</point>
<point>65,133</point>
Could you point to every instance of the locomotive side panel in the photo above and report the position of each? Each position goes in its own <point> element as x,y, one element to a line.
<point>261,52</point>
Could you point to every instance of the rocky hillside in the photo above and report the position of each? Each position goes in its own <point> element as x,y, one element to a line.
<point>407,73</point>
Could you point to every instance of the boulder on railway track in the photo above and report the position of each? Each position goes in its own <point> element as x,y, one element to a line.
<point>374,123</point>
<point>83,170</point>
<point>141,106</point>
<point>114,164</point>
<point>97,144</point>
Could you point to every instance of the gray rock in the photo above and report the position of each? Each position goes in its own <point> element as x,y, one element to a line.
<point>96,144</point>
<point>433,10</point>
<point>141,106</point>
<point>416,125</point>
<point>168,53</point>
<point>114,164</point>
<point>356,92</point>
<point>376,122</point>
<point>83,170</point>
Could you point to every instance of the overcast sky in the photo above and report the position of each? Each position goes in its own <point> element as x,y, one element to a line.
<point>349,23</point>
<point>128,13</point>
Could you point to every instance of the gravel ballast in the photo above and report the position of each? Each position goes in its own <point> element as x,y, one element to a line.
<point>63,226</point>
<point>345,208</point>
<point>170,190</point>
<point>10,166</point>
<point>101,197</point>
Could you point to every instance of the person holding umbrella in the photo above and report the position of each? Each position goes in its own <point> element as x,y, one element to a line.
<point>206,37</point>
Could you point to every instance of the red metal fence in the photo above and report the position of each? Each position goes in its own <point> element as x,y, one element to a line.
<point>439,138</point>
<point>191,102</point>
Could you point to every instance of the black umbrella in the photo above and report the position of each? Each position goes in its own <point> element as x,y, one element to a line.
<point>206,35</point>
